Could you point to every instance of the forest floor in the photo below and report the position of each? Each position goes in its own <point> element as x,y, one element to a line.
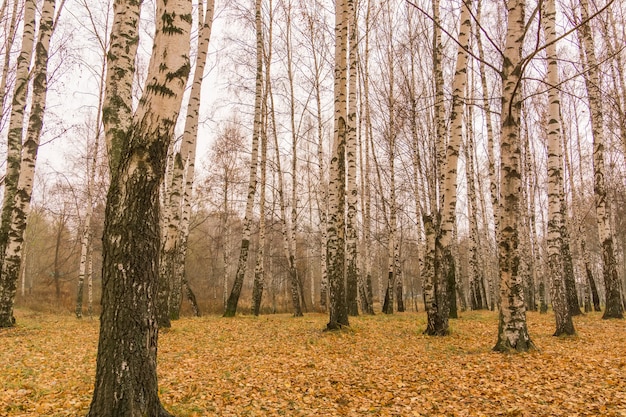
<point>278,365</point>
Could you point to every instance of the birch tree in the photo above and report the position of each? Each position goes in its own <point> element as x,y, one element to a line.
<point>512,328</point>
<point>351,158</point>
<point>27,155</point>
<point>85,267</point>
<point>126,379</point>
<point>183,172</point>
<point>614,308</point>
<point>556,207</point>
<point>337,182</point>
<point>259,270</point>
<point>445,270</point>
<point>242,264</point>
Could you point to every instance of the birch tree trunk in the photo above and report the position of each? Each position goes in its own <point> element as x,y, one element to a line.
<point>14,151</point>
<point>259,269</point>
<point>242,264</point>
<point>436,299</point>
<point>493,172</point>
<point>591,292</point>
<point>478,298</point>
<point>297,292</point>
<point>183,170</point>
<point>86,239</point>
<point>556,207</point>
<point>365,290</point>
<point>86,250</point>
<point>338,311</point>
<point>9,39</point>
<point>614,308</point>
<point>126,378</point>
<point>352,272</point>
<point>21,205</point>
<point>512,329</point>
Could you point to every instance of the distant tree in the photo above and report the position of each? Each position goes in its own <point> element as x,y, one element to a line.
<point>242,263</point>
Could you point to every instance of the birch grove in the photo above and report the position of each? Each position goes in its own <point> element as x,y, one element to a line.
<point>434,157</point>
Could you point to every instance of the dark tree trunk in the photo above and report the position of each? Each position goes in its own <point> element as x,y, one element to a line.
<point>301,292</point>
<point>594,289</point>
<point>164,291</point>
<point>570,282</point>
<point>448,274</point>
<point>365,294</point>
<point>614,309</point>
<point>235,292</point>
<point>191,297</point>
<point>295,290</point>
<point>543,309</point>
<point>400,294</point>
<point>351,289</point>
<point>437,298</point>
<point>387,304</point>
<point>257,293</point>
<point>126,378</point>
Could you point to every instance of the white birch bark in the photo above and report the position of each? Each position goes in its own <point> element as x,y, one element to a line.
<point>614,308</point>
<point>512,329</point>
<point>337,180</point>
<point>445,267</point>
<point>9,39</point>
<point>351,150</point>
<point>367,296</point>
<point>556,217</point>
<point>183,173</point>
<point>259,269</point>
<point>21,205</point>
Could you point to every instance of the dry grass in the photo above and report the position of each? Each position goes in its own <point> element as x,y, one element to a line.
<point>278,365</point>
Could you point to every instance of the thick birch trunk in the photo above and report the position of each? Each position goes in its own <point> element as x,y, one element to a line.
<point>242,264</point>
<point>126,378</point>
<point>614,308</point>
<point>338,311</point>
<point>556,213</point>
<point>512,330</point>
